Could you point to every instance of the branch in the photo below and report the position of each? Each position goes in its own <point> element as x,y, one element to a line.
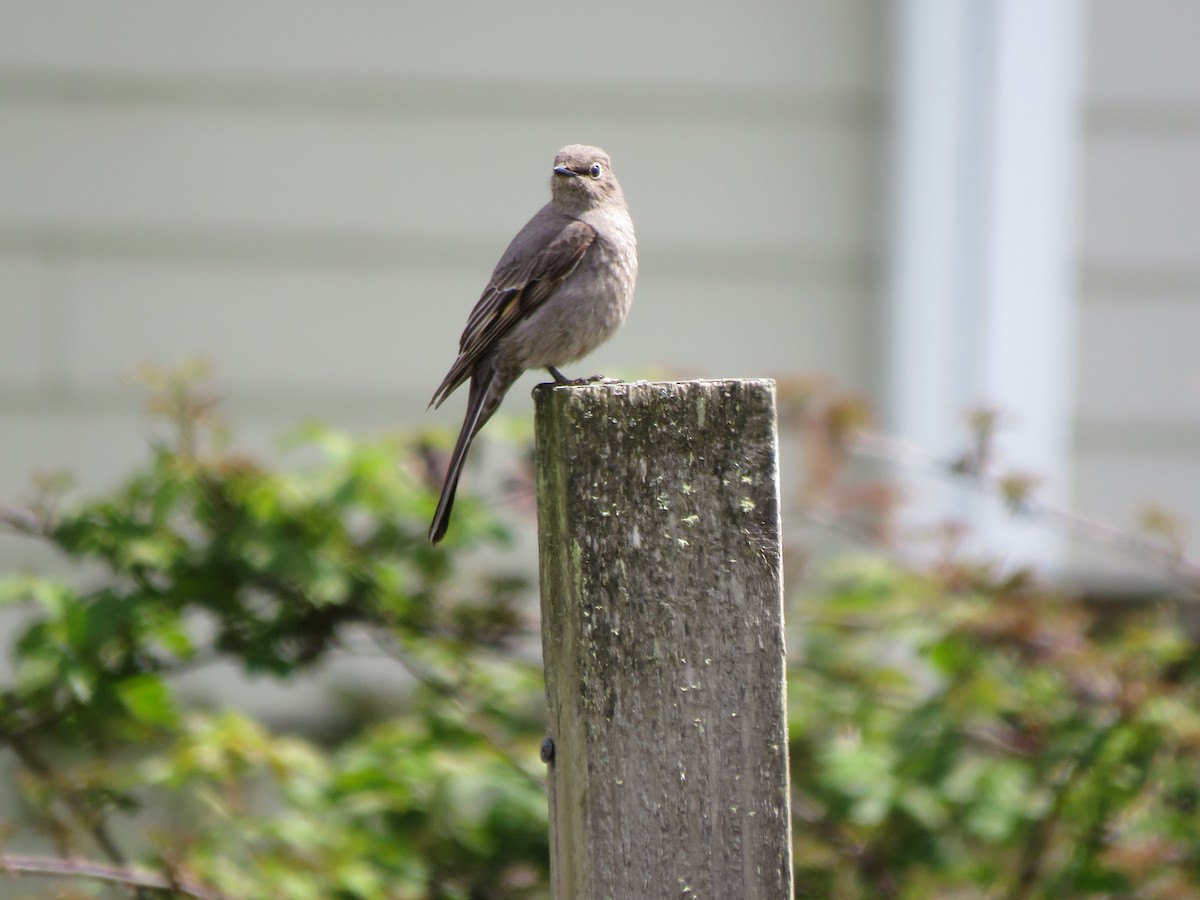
<point>14,865</point>
<point>475,719</point>
<point>19,521</point>
<point>1016,493</point>
<point>88,819</point>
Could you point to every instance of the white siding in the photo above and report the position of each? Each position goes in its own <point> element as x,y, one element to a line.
<point>311,196</point>
<point>815,46</point>
<point>1138,428</point>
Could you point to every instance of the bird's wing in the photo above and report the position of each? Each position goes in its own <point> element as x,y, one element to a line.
<point>518,286</point>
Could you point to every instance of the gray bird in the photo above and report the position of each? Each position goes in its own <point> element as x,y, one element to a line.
<point>562,287</point>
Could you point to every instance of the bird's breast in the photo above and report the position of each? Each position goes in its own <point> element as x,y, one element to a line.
<point>583,313</point>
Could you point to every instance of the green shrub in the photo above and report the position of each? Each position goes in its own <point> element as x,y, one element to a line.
<point>203,556</point>
<point>963,736</point>
<point>954,733</point>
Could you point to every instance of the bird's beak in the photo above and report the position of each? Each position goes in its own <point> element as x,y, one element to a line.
<point>565,172</point>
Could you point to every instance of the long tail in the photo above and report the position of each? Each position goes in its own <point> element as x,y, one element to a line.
<point>486,392</point>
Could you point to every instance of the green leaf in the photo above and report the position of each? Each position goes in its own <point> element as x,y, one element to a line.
<point>149,701</point>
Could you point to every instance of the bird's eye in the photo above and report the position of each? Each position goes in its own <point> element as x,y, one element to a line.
<point>596,170</point>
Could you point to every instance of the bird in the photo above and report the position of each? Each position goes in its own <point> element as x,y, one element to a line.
<point>561,288</point>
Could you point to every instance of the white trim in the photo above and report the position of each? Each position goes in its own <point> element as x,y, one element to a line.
<point>981,281</point>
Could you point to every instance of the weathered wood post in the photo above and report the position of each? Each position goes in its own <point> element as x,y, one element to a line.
<point>658,512</point>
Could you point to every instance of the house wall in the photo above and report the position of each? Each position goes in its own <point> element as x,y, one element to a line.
<point>1138,392</point>
<point>312,195</point>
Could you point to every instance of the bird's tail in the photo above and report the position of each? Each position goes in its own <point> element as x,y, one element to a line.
<point>486,392</point>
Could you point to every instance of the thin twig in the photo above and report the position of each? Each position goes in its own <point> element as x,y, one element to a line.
<point>884,448</point>
<point>141,879</point>
<point>19,521</point>
<point>446,688</point>
<point>86,817</point>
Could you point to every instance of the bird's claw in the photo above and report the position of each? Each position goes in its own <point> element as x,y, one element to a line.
<point>590,379</point>
<point>563,380</point>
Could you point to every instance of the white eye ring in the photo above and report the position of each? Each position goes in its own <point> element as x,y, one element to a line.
<point>596,170</point>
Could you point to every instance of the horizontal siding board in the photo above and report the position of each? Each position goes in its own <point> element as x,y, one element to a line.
<point>1141,202</point>
<point>821,44</point>
<point>1142,54</point>
<point>262,328</point>
<point>719,329</point>
<point>771,182</point>
<point>1139,360</point>
<point>336,330</point>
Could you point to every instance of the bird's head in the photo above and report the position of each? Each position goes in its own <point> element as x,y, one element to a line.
<point>582,179</point>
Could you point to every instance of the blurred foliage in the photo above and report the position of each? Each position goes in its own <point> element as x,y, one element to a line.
<point>967,735</point>
<point>956,731</point>
<point>206,556</point>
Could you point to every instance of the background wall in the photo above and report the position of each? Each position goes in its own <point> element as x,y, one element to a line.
<point>1138,398</point>
<point>312,195</point>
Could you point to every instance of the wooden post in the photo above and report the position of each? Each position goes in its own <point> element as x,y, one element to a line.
<point>662,630</point>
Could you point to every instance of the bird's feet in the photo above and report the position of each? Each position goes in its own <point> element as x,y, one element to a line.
<point>560,378</point>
